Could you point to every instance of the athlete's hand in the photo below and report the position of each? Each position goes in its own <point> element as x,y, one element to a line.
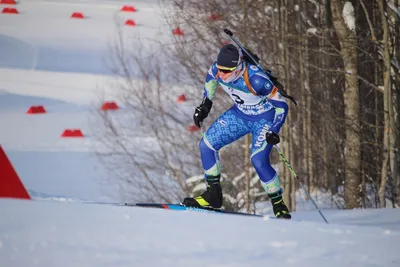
<point>272,137</point>
<point>201,112</point>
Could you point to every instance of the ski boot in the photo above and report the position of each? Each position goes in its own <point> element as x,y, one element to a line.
<point>211,198</point>
<point>279,207</point>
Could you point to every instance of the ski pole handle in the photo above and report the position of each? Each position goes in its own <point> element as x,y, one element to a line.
<point>228,32</point>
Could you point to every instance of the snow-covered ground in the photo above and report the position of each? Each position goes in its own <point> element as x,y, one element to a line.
<point>75,234</point>
<point>64,64</point>
<point>48,59</point>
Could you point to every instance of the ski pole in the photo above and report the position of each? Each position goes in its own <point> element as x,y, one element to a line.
<point>300,182</point>
<point>230,33</point>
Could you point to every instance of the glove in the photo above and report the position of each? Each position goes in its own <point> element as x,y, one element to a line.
<point>201,112</point>
<point>272,137</point>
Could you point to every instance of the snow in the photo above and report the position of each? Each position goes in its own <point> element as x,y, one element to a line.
<point>393,7</point>
<point>348,15</point>
<point>312,30</point>
<point>48,59</point>
<point>75,234</point>
<point>267,9</point>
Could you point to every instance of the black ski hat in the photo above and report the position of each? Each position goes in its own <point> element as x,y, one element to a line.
<point>228,56</point>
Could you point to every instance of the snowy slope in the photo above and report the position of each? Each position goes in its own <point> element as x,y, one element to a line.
<point>61,234</point>
<point>48,59</point>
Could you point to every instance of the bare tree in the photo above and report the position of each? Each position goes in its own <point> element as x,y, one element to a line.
<point>344,21</point>
<point>340,62</point>
<point>385,29</point>
<point>395,14</point>
<point>146,144</point>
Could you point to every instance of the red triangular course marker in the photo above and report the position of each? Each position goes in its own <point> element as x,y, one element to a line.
<point>10,184</point>
<point>181,98</point>
<point>109,106</point>
<point>72,133</point>
<point>36,110</point>
<point>128,9</point>
<point>130,22</point>
<point>8,2</point>
<point>178,31</point>
<point>77,15</point>
<point>9,10</point>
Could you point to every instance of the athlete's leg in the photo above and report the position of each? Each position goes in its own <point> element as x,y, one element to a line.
<point>228,128</point>
<point>260,158</point>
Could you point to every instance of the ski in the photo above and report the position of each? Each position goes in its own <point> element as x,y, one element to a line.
<point>196,209</point>
<point>187,208</point>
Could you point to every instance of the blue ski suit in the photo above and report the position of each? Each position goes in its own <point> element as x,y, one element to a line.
<point>255,110</point>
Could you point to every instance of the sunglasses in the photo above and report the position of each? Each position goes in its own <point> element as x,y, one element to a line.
<point>225,69</point>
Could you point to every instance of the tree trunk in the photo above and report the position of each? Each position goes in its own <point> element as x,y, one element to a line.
<point>246,159</point>
<point>307,162</point>
<point>348,51</point>
<point>377,134</point>
<point>393,110</point>
<point>387,107</point>
<point>304,143</point>
<point>377,95</point>
<point>326,81</point>
<point>283,173</point>
<point>310,162</point>
<point>291,198</point>
<point>385,155</point>
<point>396,102</point>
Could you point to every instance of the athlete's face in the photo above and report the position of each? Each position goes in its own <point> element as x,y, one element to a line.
<point>225,75</point>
